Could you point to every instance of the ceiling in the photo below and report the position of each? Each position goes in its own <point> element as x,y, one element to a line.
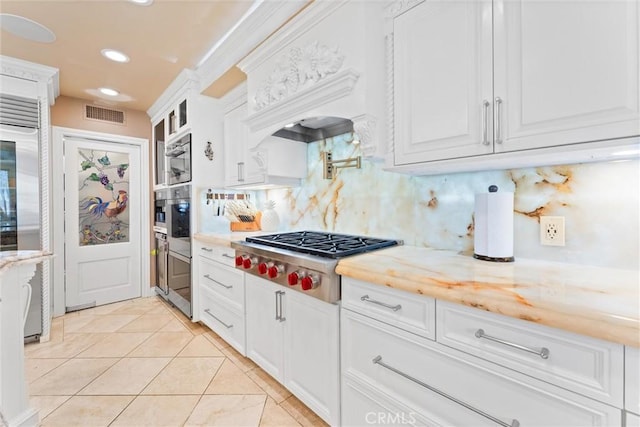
<point>161,39</point>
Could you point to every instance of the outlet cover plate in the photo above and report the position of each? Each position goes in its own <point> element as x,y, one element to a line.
<point>552,230</point>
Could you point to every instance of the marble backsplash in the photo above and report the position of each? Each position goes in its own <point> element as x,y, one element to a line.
<point>600,203</point>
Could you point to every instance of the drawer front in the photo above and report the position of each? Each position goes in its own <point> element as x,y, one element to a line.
<point>222,254</point>
<point>363,405</point>
<point>416,370</point>
<point>632,379</point>
<point>223,280</point>
<point>413,313</point>
<point>227,323</point>
<point>585,365</point>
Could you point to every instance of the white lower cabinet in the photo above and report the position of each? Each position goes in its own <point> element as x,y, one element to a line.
<point>295,339</point>
<point>227,323</point>
<point>632,380</point>
<point>447,387</point>
<point>219,293</point>
<point>588,366</point>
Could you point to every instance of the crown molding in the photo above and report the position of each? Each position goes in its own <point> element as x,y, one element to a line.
<point>235,97</point>
<point>254,28</point>
<point>296,27</point>
<point>187,79</point>
<point>21,69</point>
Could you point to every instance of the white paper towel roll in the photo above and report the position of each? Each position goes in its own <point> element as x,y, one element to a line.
<point>493,231</point>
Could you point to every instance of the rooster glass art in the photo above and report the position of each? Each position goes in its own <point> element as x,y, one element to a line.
<point>103,189</point>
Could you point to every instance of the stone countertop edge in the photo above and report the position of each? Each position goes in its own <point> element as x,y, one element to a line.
<point>10,258</point>
<point>225,239</point>
<point>599,302</point>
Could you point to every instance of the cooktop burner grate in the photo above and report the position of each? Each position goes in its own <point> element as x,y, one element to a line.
<point>328,245</point>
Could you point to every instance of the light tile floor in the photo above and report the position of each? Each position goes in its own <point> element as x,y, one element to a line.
<point>142,363</point>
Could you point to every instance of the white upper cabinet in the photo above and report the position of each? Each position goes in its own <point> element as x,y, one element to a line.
<point>442,77</point>
<point>478,81</point>
<point>274,162</point>
<point>182,111</point>
<point>566,71</point>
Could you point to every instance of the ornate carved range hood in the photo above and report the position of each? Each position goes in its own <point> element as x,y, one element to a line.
<point>321,75</point>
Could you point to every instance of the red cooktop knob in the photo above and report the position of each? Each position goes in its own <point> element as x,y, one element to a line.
<point>239,260</point>
<point>262,268</point>
<point>308,282</point>
<point>292,278</point>
<point>275,270</point>
<point>249,262</point>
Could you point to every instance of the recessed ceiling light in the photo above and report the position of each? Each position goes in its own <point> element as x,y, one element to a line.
<point>26,28</point>
<point>109,91</point>
<point>114,55</point>
<point>142,2</point>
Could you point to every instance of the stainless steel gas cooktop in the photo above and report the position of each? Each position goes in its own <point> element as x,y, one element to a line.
<point>303,260</point>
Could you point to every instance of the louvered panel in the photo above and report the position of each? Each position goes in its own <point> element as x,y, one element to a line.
<point>18,111</point>
<point>104,114</point>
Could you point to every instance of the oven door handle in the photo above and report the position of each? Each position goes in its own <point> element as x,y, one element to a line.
<point>175,153</point>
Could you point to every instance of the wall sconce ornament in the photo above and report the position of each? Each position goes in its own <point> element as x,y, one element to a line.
<point>208,151</point>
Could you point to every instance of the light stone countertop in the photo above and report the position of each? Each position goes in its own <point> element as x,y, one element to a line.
<point>10,258</point>
<point>225,239</point>
<point>594,301</point>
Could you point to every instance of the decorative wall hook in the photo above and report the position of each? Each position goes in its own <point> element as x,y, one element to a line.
<point>208,151</point>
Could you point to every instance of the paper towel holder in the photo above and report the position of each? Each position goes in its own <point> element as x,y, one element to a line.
<point>483,257</point>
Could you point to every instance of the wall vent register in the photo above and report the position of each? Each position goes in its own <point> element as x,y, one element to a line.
<point>92,112</point>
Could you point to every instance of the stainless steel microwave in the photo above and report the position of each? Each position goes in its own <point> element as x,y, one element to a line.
<point>178,154</point>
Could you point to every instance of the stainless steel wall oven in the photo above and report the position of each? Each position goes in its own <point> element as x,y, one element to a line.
<point>178,154</point>
<point>178,221</point>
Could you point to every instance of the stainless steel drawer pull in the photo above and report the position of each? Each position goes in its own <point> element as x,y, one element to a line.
<point>206,276</point>
<point>229,256</point>
<point>207,249</point>
<point>366,298</point>
<point>279,299</point>
<point>498,119</point>
<point>485,122</point>
<point>378,361</point>
<point>206,310</point>
<point>543,352</point>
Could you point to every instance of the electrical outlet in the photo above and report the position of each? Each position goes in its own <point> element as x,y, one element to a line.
<point>552,230</point>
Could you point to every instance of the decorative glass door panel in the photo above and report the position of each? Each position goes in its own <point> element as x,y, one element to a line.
<point>103,192</point>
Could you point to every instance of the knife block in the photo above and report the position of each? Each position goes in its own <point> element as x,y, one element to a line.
<point>247,226</point>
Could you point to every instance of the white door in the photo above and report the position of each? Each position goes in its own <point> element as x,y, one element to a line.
<point>442,62</point>
<point>566,71</point>
<point>103,200</point>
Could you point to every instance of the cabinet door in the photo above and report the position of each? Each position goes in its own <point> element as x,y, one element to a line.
<point>235,144</point>
<point>566,72</point>
<point>311,353</point>
<point>264,331</point>
<point>158,153</point>
<point>632,379</point>
<point>442,78</point>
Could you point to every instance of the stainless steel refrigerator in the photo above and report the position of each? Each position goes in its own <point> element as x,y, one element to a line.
<point>20,207</point>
